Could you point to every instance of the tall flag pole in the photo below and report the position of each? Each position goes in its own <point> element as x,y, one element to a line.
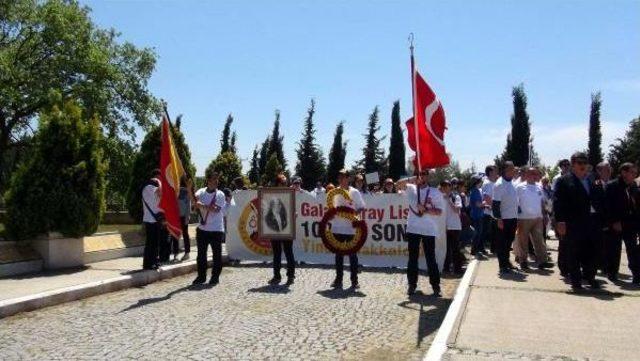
<point>413,104</point>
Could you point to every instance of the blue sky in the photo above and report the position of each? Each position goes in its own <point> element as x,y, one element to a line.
<point>249,58</point>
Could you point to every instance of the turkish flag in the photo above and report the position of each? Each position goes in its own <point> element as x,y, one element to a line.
<point>426,131</point>
<point>171,171</point>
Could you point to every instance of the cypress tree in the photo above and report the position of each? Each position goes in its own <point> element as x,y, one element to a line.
<point>517,148</point>
<point>225,142</point>
<point>595,134</point>
<point>232,144</point>
<point>311,166</point>
<point>337,154</point>
<point>374,159</point>
<point>397,159</point>
<point>276,144</point>
<point>264,156</point>
<point>254,170</point>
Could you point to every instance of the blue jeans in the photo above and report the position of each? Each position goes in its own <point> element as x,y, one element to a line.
<point>477,245</point>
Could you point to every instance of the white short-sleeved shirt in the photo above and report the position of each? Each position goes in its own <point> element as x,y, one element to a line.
<point>342,226</point>
<point>150,196</point>
<point>454,204</point>
<point>530,197</point>
<point>505,193</point>
<point>214,221</point>
<point>487,191</point>
<point>424,225</point>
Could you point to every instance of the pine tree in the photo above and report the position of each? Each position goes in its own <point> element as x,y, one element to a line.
<point>272,169</point>
<point>276,144</point>
<point>61,185</point>
<point>311,166</point>
<point>374,159</point>
<point>337,154</point>
<point>225,142</point>
<point>518,140</point>
<point>397,159</point>
<point>232,144</point>
<point>254,171</point>
<point>264,157</point>
<point>228,166</point>
<point>595,134</point>
<point>626,149</point>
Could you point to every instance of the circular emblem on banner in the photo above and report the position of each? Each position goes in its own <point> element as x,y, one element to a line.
<point>328,238</point>
<point>248,230</point>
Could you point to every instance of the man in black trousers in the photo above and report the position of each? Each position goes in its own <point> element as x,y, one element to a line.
<point>505,210</point>
<point>622,217</point>
<point>153,220</point>
<point>578,222</point>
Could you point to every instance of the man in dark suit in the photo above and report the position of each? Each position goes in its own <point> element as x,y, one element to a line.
<point>577,221</point>
<point>622,217</point>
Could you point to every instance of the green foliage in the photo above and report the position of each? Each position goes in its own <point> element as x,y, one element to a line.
<point>337,154</point>
<point>148,159</point>
<point>232,144</point>
<point>374,159</point>
<point>311,166</point>
<point>276,143</point>
<point>446,173</point>
<point>254,170</point>
<point>272,169</point>
<point>228,166</point>
<point>118,156</point>
<point>51,51</point>
<point>61,186</point>
<point>595,133</point>
<point>225,142</point>
<point>397,159</point>
<point>626,149</point>
<point>264,157</point>
<point>518,140</point>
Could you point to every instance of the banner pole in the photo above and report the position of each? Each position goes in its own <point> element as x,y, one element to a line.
<point>413,108</point>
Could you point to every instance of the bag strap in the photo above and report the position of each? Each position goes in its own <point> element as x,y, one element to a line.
<point>155,215</point>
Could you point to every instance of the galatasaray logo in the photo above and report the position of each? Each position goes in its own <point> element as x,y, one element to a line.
<point>248,230</point>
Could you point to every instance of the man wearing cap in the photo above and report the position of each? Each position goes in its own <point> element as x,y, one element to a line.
<point>505,210</point>
<point>152,218</point>
<point>577,220</point>
<point>211,204</point>
<point>344,231</point>
<point>422,230</point>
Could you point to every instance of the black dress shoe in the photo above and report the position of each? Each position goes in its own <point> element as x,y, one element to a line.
<point>636,280</point>
<point>355,285</point>
<point>577,288</point>
<point>290,281</point>
<point>545,265</point>
<point>275,281</point>
<point>198,281</point>
<point>504,271</point>
<point>411,290</point>
<point>214,281</point>
<point>336,284</point>
<point>613,278</point>
<point>594,285</point>
<point>436,292</point>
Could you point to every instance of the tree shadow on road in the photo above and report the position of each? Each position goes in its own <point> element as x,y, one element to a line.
<point>152,300</point>
<point>432,312</point>
<point>339,293</point>
<point>272,289</point>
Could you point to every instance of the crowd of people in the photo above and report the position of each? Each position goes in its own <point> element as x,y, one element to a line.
<point>502,211</point>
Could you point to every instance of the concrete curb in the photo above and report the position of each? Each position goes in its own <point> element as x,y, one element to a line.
<point>67,294</point>
<point>439,345</point>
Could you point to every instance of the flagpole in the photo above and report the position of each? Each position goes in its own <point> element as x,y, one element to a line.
<point>413,109</point>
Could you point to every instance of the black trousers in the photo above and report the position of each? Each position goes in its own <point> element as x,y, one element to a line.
<point>164,245</point>
<point>629,235</point>
<point>489,230</point>
<point>204,240</point>
<point>506,235</point>
<point>353,261</point>
<point>580,244</point>
<point>152,234</point>
<point>277,246</point>
<point>185,234</point>
<point>429,248</point>
<point>454,257</point>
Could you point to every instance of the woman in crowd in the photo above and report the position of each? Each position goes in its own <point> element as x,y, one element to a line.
<point>389,186</point>
<point>358,183</point>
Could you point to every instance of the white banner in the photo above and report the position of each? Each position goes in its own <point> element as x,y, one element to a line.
<point>385,215</point>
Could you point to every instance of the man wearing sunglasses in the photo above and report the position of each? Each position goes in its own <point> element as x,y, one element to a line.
<point>577,222</point>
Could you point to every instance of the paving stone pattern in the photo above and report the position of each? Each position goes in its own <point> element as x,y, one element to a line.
<point>240,319</point>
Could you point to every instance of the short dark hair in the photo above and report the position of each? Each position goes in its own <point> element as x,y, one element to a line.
<point>489,169</point>
<point>155,173</point>
<point>507,164</point>
<point>626,166</point>
<point>210,174</point>
<point>579,156</point>
<point>445,183</point>
<point>563,162</point>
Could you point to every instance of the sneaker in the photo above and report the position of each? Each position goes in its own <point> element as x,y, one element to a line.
<point>275,281</point>
<point>411,290</point>
<point>198,281</point>
<point>336,284</point>
<point>290,281</point>
<point>524,266</point>
<point>214,281</point>
<point>504,271</point>
<point>186,257</point>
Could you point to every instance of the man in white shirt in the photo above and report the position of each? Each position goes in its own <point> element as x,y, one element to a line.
<point>319,191</point>
<point>211,204</point>
<point>343,231</point>
<point>505,210</point>
<point>530,223</point>
<point>153,219</point>
<point>422,230</point>
<point>489,227</point>
<point>454,227</point>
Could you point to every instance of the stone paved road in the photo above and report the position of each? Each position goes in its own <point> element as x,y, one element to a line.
<point>240,319</point>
